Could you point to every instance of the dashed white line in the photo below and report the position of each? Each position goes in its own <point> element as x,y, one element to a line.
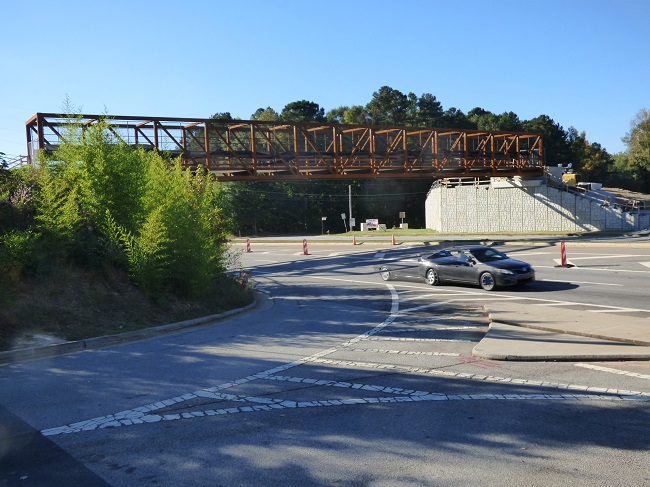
<point>399,339</point>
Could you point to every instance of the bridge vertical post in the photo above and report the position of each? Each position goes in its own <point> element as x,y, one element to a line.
<point>155,134</point>
<point>40,120</point>
<point>206,144</point>
<point>253,149</point>
<point>405,146</point>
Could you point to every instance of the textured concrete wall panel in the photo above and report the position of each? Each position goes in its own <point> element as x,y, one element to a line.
<point>485,209</point>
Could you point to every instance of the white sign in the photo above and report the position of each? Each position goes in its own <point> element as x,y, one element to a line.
<point>352,222</point>
<point>372,223</point>
<point>342,216</point>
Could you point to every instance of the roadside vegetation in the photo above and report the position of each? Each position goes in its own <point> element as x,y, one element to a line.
<point>102,237</point>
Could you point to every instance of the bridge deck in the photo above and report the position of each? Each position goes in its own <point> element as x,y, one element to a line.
<point>256,150</point>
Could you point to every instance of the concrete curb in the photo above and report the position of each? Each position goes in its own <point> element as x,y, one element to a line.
<point>595,336</point>
<point>57,349</point>
<point>517,334</point>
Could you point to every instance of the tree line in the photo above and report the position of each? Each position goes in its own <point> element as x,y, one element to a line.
<point>299,207</point>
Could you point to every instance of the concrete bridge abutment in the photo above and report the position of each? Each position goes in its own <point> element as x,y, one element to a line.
<point>522,205</point>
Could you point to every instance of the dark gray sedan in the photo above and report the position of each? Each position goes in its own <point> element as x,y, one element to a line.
<point>472,264</point>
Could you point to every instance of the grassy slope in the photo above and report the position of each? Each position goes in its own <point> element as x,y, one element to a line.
<point>76,303</point>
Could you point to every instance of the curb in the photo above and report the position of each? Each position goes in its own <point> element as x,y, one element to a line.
<point>58,349</point>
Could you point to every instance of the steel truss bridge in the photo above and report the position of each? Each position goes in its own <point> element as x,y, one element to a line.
<point>238,150</point>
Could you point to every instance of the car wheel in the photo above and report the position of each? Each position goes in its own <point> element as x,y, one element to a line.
<point>432,277</point>
<point>487,281</point>
<point>385,273</point>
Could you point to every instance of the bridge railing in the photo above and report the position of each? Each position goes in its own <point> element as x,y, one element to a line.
<point>603,198</point>
<point>252,149</point>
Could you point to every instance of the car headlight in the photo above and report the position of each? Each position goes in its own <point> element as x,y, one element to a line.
<point>504,271</point>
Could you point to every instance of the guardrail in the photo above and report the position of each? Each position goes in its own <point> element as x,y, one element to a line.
<point>14,162</point>
<point>604,199</point>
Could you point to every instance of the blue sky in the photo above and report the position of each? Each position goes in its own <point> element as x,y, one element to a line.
<point>584,63</point>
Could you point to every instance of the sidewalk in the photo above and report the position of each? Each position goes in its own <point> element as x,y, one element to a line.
<point>552,333</point>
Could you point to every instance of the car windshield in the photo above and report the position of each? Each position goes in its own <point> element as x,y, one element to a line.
<point>488,255</point>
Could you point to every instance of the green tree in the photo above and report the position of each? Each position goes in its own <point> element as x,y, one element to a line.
<point>638,147</point>
<point>222,116</point>
<point>425,111</point>
<point>483,119</point>
<point>303,111</point>
<point>557,148</point>
<point>455,118</point>
<point>388,107</point>
<point>509,122</point>
<point>356,115</point>
<point>591,161</point>
<point>265,115</point>
<point>336,115</point>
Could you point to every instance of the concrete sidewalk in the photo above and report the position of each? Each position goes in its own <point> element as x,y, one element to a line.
<point>552,333</point>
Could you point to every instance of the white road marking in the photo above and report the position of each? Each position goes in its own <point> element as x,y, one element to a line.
<point>397,339</point>
<point>617,310</point>
<point>424,306</point>
<point>647,264</point>
<point>405,352</point>
<point>581,282</point>
<point>604,256</point>
<point>559,262</point>
<point>591,269</point>
<point>146,413</point>
<point>614,371</point>
<point>439,328</point>
<point>532,253</point>
<point>419,296</point>
<point>451,295</point>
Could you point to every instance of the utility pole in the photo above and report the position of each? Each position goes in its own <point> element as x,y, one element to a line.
<point>350,204</point>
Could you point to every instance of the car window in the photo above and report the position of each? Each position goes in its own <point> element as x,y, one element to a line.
<point>488,255</point>
<point>439,254</point>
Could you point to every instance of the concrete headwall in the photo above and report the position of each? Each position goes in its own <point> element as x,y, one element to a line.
<point>521,207</point>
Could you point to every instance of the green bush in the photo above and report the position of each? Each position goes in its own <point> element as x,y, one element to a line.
<point>101,201</point>
<point>17,253</point>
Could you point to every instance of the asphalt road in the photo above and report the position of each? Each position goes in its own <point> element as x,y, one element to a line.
<point>338,378</point>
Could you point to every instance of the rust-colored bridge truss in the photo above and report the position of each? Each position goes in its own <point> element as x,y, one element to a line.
<point>256,150</point>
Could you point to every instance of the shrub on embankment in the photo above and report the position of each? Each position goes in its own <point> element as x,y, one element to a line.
<point>101,207</point>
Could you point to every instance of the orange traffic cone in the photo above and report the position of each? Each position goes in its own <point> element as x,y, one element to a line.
<point>394,243</point>
<point>564,262</point>
<point>354,240</point>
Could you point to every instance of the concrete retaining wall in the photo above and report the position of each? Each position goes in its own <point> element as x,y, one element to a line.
<point>524,206</point>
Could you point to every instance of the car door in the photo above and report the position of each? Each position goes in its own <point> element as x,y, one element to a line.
<point>465,269</point>
<point>405,268</point>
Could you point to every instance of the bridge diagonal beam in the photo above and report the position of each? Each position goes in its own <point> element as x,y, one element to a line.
<point>263,150</point>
